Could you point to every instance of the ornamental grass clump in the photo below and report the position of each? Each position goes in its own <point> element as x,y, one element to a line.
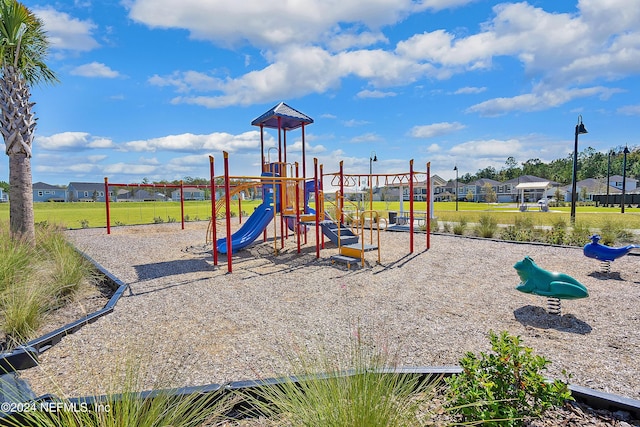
<point>460,226</point>
<point>487,226</point>
<point>360,391</point>
<point>506,387</point>
<point>125,404</point>
<point>37,279</point>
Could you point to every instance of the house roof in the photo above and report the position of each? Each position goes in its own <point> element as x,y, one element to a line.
<point>289,118</point>
<point>484,181</point>
<point>620,177</point>
<point>44,186</point>
<point>86,186</point>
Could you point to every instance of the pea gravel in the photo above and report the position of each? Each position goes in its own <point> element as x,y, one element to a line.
<point>190,323</point>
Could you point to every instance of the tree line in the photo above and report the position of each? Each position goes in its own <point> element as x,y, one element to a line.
<point>591,164</point>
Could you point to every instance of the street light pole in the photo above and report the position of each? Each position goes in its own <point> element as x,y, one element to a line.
<point>624,177</point>
<point>579,129</point>
<point>608,175</point>
<point>455,168</point>
<point>372,158</point>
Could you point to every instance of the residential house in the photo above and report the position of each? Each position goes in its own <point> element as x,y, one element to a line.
<point>43,192</point>
<point>630,183</point>
<point>188,193</point>
<point>587,188</point>
<point>476,191</point>
<point>87,192</point>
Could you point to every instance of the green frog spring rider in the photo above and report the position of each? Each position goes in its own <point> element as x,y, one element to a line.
<point>555,286</point>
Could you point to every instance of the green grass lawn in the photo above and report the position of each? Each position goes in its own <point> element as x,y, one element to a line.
<point>77,215</point>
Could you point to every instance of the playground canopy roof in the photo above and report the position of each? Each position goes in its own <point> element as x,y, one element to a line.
<point>289,118</point>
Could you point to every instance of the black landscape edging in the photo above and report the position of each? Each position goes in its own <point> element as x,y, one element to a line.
<point>250,390</point>
<point>26,356</point>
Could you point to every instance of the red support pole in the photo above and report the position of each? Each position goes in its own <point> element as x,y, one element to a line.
<point>318,183</point>
<point>262,147</point>
<point>280,143</point>
<point>428,209</point>
<point>304,158</point>
<point>214,232</point>
<point>227,202</point>
<point>182,202</point>
<point>297,227</point>
<point>284,144</point>
<point>411,206</point>
<point>317,195</point>
<point>340,202</point>
<point>106,199</point>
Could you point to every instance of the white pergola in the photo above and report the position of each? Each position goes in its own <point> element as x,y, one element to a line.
<point>524,186</point>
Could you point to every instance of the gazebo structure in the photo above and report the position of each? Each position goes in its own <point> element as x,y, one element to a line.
<point>283,118</point>
<point>531,186</point>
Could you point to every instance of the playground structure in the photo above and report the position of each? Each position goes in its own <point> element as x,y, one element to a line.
<point>605,254</point>
<point>553,285</point>
<point>292,201</point>
<point>287,194</point>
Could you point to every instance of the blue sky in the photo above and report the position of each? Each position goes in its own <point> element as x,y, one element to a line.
<point>151,88</point>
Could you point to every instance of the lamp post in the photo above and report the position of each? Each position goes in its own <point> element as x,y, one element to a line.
<point>624,176</point>
<point>608,174</point>
<point>579,129</point>
<point>455,168</point>
<point>372,158</point>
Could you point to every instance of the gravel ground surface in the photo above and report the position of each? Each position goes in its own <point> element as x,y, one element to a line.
<point>193,323</point>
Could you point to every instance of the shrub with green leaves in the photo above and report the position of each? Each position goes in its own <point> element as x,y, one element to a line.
<point>579,235</point>
<point>506,387</point>
<point>613,231</point>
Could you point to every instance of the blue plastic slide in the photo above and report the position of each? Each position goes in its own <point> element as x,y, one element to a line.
<point>250,230</point>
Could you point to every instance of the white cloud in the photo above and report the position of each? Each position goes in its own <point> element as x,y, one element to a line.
<point>630,110</point>
<point>469,90</point>
<point>537,101</point>
<point>375,94</point>
<point>487,148</point>
<point>367,137</point>
<point>94,69</point>
<point>65,32</point>
<point>70,141</point>
<point>435,129</point>
<point>188,142</point>
<point>274,24</point>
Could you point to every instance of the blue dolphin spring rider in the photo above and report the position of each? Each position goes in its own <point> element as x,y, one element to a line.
<point>605,253</point>
<point>555,286</point>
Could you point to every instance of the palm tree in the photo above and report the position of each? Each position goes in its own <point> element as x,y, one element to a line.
<point>23,48</point>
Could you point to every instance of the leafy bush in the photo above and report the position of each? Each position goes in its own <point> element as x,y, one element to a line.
<point>558,233</point>
<point>446,227</point>
<point>505,387</point>
<point>158,220</point>
<point>613,231</point>
<point>487,226</point>
<point>579,235</point>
